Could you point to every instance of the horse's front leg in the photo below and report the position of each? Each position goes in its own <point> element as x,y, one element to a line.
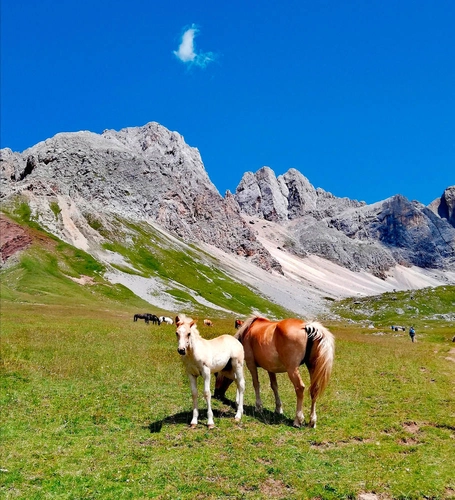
<point>274,386</point>
<point>299,387</point>
<point>206,375</point>
<point>193,385</point>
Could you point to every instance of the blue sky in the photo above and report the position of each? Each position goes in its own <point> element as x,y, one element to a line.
<point>357,95</point>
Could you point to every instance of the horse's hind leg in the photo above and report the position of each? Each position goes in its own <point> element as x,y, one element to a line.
<point>314,395</point>
<point>207,396</point>
<point>299,387</point>
<point>313,416</point>
<point>254,375</point>
<point>274,386</point>
<point>240,381</point>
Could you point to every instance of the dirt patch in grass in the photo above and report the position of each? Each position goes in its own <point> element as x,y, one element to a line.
<point>274,488</point>
<point>411,427</point>
<point>83,280</point>
<point>451,356</point>
<point>372,496</point>
<point>13,238</point>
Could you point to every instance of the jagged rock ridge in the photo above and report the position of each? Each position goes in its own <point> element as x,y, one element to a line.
<point>149,173</point>
<point>142,173</point>
<point>358,236</point>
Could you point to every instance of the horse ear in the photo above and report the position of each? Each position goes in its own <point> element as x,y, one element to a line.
<point>177,320</point>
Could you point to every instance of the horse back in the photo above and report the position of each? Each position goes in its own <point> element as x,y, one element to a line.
<point>276,346</point>
<point>218,354</point>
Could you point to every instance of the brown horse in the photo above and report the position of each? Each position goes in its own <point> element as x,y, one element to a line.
<point>282,346</point>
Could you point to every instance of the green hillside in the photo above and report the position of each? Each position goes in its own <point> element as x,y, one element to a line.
<point>425,308</point>
<point>43,272</point>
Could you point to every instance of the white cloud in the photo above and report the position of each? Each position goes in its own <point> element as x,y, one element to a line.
<point>186,51</point>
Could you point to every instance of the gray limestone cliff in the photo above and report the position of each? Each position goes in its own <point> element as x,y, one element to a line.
<point>360,237</point>
<point>143,173</point>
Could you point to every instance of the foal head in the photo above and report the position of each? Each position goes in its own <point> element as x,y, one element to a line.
<point>185,328</point>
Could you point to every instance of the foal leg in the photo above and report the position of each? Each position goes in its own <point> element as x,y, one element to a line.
<point>193,385</point>
<point>299,387</point>
<point>274,386</point>
<point>206,375</point>
<point>240,381</point>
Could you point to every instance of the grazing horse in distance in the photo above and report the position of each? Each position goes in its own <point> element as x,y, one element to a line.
<point>282,346</point>
<point>145,316</point>
<point>238,323</point>
<point>203,357</point>
<point>208,322</point>
<point>166,319</point>
<point>154,319</point>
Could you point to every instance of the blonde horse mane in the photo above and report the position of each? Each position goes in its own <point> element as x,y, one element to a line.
<point>246,325</point>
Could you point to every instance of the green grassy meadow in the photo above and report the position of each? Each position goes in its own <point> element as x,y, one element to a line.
<point>96,406</point>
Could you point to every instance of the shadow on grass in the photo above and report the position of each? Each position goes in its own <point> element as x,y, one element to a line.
<point>265,416</point>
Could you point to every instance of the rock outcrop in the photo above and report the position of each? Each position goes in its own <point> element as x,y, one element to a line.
<point>150,174</point>
<point>373,237</point>
<point>445,205</point>
<point>143,173</point>
<point>286,197</point>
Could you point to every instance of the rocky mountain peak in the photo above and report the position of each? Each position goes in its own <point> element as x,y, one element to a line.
<point>361,237</point>
<point>445,205</point>
<point>141,173</point>
<point>287,197</point>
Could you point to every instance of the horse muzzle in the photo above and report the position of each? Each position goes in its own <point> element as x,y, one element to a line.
<point>182,352</point>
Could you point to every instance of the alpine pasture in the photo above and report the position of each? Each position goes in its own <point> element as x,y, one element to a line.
<point>95,405</point>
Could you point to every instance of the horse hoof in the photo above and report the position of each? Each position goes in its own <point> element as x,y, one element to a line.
<point>193,426</point>
<point>211,426</point>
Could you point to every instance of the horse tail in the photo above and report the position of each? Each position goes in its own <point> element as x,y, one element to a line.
<point>320,358</point>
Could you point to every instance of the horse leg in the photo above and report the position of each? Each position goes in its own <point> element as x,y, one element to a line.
<point>240,381</point>
<point>207,396</point>
<point>254,375</point>
<point>274,386</point>
<point>193,384</point>
<point>299,387</point>
<point>314,396</point>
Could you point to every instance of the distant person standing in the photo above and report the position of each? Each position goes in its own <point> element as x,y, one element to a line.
<point>412,333</point>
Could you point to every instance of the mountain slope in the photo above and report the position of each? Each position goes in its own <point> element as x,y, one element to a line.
<point>138,173</point>
<point>140,203</point>
<point>360,237</point>
<point>139,267</point>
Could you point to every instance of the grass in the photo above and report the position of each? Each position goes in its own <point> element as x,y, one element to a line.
<point>427,309</point>
<point>96,406</point>
<point>153,254</point>
<point>187,270</point>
